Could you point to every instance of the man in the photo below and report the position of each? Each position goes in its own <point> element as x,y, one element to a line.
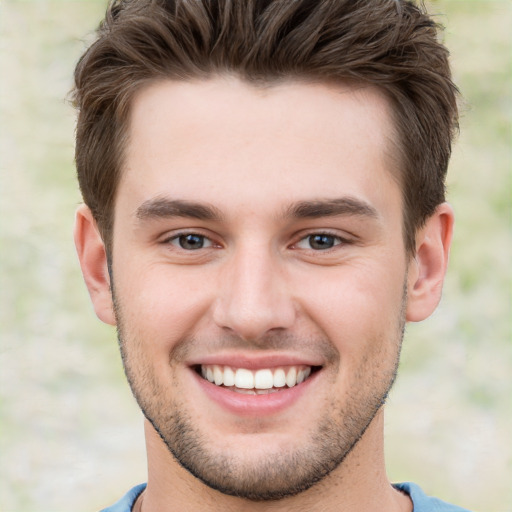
<point>264,211</point>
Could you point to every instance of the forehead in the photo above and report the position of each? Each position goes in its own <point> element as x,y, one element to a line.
<point>227,142</point>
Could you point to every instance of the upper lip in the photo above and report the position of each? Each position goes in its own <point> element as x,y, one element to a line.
<point>255,361</point>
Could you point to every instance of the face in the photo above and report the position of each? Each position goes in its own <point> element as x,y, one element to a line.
<point>259,271</point>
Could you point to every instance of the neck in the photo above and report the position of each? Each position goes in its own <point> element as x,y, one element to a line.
<point>358,484</point>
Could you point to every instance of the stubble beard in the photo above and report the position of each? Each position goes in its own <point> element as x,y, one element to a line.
<point>277,475</point>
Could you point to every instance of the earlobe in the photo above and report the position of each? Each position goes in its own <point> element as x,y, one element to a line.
<point>428,267</point>
<point>93,261</point>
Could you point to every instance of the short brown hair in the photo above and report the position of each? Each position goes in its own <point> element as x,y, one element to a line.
<point>391,44</point>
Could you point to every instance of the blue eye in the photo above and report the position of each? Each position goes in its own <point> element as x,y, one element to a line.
<point>191,241</point>
<point>319,242</point>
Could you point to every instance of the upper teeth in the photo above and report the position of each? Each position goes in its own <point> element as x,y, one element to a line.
<point>264,378</point>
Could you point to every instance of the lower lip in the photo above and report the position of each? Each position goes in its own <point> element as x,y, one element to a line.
<point>254,405</point>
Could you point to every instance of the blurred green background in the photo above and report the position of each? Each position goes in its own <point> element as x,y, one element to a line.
<point>70,433</point>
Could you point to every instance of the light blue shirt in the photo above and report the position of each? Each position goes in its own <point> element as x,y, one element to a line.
<point>422,502</point>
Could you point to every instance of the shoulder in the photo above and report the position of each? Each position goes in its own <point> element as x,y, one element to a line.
<point>424,503</point>
<point>125,504</point>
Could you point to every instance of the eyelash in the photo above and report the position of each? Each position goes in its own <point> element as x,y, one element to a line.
<point>178,239</point>
<point>179,236</point>
<point>337,240</point>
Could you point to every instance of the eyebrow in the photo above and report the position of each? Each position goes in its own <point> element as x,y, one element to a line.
<point>331,208</point>
<point>162,208</point>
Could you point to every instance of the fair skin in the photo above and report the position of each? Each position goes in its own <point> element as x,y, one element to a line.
<point>260,229</point>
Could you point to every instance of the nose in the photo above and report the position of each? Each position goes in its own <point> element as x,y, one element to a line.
<point>253,296</point>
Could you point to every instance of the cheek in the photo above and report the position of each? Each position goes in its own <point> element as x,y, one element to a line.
<point>354,304</point>
<point>160,306</point>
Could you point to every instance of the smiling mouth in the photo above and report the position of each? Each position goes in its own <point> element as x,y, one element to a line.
<point>256,382</point>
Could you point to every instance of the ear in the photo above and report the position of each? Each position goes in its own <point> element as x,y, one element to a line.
<point>428,267</point>
<point>93,261</point>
